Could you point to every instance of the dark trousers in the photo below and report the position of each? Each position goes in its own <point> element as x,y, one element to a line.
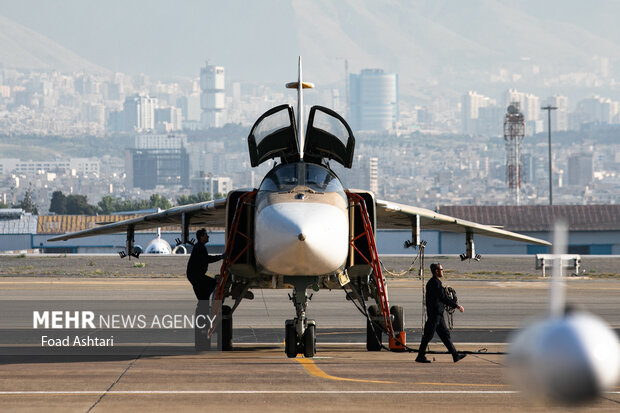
<point>436,323</point>
<point>203,286</point>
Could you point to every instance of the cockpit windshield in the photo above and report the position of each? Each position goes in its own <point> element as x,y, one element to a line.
<point>316,177</point>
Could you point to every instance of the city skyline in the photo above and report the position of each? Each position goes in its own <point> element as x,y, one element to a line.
<point>380,100</point>
<point>546,49</point>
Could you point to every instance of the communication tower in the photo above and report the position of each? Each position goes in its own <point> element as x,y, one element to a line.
<point>514,131</point>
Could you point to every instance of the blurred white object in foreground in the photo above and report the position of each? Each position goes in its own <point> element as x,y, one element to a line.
<point>571,359</point>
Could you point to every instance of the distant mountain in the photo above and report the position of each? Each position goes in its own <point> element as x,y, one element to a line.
<point>438,47</point>
<point>22,48</point>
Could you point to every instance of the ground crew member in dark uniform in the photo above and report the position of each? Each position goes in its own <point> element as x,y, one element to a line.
<point>198,264</point>
<point>436,299</point>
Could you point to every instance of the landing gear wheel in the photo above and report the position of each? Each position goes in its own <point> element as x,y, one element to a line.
<point>373,332</point>
<point>201,342</point>
<point>290,339</point>
<point>226,333</point>
<point>309,340</point>
<point>398,320</point>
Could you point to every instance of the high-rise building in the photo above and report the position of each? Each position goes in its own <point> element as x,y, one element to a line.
<point>168,119</point>
<point>559,117</point>
<point>212,97</point>
<point>363,175</point>
<point>373,100</point>
<point>157,159</point>
<point>598,109</point>
<point>530,107</point>
<point>580,171</point>
<point>471,103</point>
<point>139,113</point>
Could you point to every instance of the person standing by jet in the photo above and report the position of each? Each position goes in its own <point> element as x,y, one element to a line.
<point>198,264</point>
<point>436,300</point>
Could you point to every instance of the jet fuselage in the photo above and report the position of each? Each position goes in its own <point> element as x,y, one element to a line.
<point>301,222</point>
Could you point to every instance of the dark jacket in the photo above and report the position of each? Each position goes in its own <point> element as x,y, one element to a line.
<point>436,297</point>
<point>199,261</point>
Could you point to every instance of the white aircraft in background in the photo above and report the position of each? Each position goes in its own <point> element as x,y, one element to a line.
<point>301,229</point>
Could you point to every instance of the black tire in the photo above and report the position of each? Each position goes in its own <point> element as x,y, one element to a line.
<point>398,322</point>
<point>309,340</point>
<point>373,332</point>
<point>290,341</point>
<point>226,332</point>
<point>201,342</point>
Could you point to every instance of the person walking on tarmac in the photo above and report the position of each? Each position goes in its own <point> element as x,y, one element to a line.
<point>436,300</point>
<point>198,264</point>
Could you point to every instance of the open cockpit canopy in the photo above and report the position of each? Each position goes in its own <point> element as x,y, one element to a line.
<point>274,135</point>
<point>328,137</point>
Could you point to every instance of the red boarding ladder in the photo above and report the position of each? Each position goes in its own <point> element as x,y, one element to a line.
<point>229,260</point>
<point>373,261</point>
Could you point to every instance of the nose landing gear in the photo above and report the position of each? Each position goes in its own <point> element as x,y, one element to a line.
<point>300,333</point>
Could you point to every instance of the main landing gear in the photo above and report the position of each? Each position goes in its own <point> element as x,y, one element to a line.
<point>300,333</point>
<point>375,328</point>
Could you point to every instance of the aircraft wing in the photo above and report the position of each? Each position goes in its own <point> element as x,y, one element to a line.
<point>391,215</point>
<point>210,213</point>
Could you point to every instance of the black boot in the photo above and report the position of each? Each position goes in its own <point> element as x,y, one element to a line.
<point>458,356</point>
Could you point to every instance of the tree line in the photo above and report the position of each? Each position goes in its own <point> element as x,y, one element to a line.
<point>71,204</point>
<point>27,204</point>
<point>62,204</point>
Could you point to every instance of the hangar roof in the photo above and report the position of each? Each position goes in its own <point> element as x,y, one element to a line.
<point>536,218</point>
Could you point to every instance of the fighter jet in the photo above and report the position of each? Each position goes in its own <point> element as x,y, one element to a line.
<point>301,229</point>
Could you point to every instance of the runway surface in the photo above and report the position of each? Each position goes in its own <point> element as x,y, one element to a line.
<point>257,376</point>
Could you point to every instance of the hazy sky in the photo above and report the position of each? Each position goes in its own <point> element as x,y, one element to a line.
<point>432,44</point>
<point>155,36</point>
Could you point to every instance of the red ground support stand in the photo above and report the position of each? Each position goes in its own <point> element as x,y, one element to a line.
<point>374,263</point>
<point>229,260</point>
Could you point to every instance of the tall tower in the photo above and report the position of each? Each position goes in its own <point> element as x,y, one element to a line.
<point>514,131</point>
<point>373,99</point>
<point>212,97</point>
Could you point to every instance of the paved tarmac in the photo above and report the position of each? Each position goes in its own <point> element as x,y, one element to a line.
<point>257,376</point>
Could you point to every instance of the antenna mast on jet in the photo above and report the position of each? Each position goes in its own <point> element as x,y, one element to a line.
<point>300,85</point>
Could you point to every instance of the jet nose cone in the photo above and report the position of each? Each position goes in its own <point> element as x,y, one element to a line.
<point>293,238</point>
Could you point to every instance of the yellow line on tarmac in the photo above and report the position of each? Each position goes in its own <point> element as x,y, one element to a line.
<point>314,370</point>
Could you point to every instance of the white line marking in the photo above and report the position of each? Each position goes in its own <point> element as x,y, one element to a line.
<point>130,392</point>
<point>120,392</point>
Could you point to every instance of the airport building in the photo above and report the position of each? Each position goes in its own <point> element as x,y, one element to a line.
<point>373,100</point>
<point>593,230</point>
